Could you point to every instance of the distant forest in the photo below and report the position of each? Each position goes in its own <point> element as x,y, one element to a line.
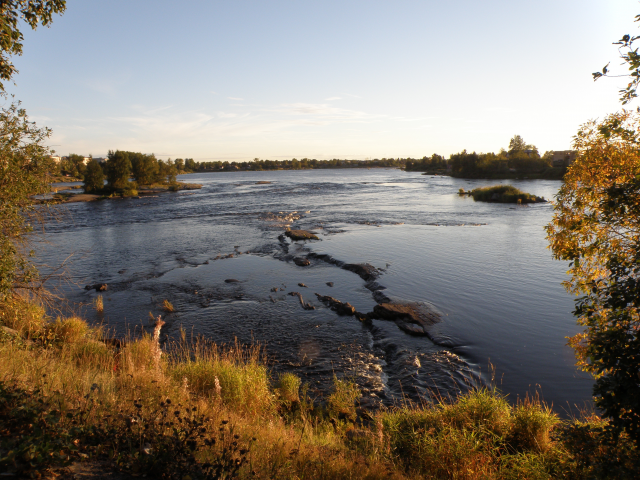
<point>520,160</point>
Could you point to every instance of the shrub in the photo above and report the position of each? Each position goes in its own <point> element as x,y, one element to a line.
<point>503,194</point>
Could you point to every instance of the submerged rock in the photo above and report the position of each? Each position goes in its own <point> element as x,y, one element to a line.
<point>98,287</point>
<point>413,318</point>
<point>302,285</point>
<point>301,262</point>
<point>231,280</point>
<point>305,305</point>
<point>336,305</point>
<point>330,284</point>
<point>301,235</point>
<point>364,270</point>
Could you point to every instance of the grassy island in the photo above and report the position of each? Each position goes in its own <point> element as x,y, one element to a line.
<point>501,194</point>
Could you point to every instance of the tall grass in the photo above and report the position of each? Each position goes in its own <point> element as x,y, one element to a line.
<point>98,303</point>
<point>479,435</point>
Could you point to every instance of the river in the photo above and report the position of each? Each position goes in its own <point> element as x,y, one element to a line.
<point>484,266</point>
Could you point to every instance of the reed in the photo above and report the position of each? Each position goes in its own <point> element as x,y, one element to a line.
<point>98,304</point>
<point>167,306</point>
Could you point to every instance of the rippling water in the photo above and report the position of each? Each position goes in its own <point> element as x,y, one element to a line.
<point>484,266</point>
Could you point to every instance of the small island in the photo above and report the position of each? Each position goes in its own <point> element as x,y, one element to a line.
<point>501,194</point>
<point>127,174</point>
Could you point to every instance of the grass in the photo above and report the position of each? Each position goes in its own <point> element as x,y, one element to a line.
<point>211,411</point>
<point>98,303</point>
<point>167,306</point>
<point>501,194</point>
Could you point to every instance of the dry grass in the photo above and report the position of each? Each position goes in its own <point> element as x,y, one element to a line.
<point>98,304</point>
<point>478,436</point>
<point>167,306</point>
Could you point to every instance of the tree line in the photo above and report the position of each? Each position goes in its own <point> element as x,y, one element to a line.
<point>520,159</point>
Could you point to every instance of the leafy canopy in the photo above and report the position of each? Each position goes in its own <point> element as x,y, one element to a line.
<point>33,13</point>
<point>24,165</point>
<point>608,155</point>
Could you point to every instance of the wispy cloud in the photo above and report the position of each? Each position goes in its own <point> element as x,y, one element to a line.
<point>236,98</point>
<point>331,99</point>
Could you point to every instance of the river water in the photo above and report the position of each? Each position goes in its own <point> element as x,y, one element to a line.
<point>484,266</point>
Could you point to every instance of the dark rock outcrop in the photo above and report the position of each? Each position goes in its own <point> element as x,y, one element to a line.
<point>98,287</point>
<point>231,280</point>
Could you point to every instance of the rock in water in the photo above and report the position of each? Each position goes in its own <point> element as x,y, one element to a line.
<point>413,318</point>
<point>231,280</point>
<point>364,270</point>
<point>301,262</point>
<point>301,235</point>
<point>336,305</point>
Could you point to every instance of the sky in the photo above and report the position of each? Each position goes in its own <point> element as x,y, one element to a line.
<point>278,79</point>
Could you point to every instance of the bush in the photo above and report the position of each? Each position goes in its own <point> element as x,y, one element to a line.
<point>503,194</point>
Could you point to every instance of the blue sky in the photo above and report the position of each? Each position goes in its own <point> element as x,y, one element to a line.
<point>360,79</point>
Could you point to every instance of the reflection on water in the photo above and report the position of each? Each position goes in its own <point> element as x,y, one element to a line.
<point>485,266</point>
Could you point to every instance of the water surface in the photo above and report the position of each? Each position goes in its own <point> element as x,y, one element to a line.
<point>484,266</point>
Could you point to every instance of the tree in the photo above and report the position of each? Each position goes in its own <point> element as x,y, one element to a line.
<point>596,227</point>
<point>166,172</point>
<point>608,154</point>
<point>517,144</point>
<point>144,167</point>
<point>33,13</point>
<point>631,58</point>
<point>610,311</point>
<point>25,164</point>
<point>118,169</point>
<point>93,177</point>
<point>190,165</point>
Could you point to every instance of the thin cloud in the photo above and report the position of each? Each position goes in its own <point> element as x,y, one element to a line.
<point>330,99</point>
<point>236,98</point>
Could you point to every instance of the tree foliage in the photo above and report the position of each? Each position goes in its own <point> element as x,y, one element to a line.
<point>24,166</point>
<point>517,144</point>
<point>608,155</point>
<point>12,12</point>
<point>611,313</point>
<point>93,177</point>
<point>118,168</point>
<point>596,227</point>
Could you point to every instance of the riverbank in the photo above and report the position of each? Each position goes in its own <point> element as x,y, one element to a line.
<point>71,398</point>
